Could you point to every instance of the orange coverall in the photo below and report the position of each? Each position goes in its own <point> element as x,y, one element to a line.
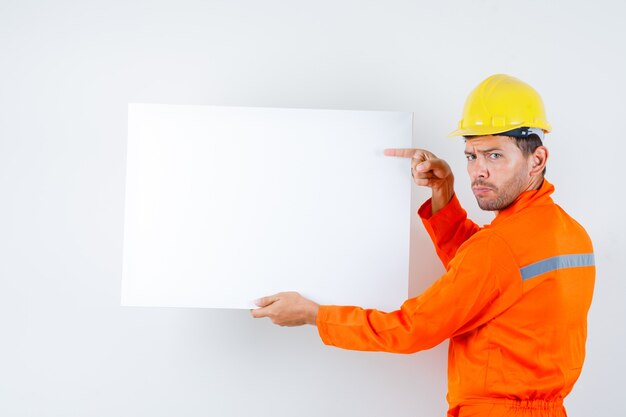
<point>513,302</point>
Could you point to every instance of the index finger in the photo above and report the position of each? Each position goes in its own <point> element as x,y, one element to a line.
<point>404,153</point>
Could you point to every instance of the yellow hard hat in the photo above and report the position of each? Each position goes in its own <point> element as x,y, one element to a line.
<point>499,104</point>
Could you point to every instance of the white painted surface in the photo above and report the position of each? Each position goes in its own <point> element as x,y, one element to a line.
<point>228,204</point>
<point>68,70</point>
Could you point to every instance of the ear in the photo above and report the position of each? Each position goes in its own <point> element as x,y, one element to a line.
<point>538,161</point>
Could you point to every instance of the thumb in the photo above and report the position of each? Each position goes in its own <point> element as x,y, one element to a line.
<point>438,167</point>
<point>265,301</point>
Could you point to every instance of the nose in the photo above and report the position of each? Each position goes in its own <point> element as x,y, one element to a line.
<point>478,168</point>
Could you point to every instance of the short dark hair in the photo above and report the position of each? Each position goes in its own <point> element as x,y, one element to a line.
<point>528,145</point>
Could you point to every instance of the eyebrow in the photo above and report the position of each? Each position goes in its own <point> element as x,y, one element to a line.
<point>483,151</point>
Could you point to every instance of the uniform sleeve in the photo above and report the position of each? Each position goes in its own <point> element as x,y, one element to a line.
<point>449,228</point>
<point>482,281</point>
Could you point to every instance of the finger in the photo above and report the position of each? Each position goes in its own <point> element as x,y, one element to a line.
<point>265,301</point>
<point>422,177</point>
<point>423,182</point>
<point>259,313</point>
<point>419,169</point>
<point>403,153</point>
<point>415,162</point>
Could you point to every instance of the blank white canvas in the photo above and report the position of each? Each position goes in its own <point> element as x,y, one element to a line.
<point>228,204</point>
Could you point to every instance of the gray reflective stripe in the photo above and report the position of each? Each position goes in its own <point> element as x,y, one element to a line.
<point>557,262</point>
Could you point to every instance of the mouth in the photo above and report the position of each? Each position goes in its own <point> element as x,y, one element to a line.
<point>480,190</point>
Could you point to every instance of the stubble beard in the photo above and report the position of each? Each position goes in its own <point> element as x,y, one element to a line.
<point>505,195</point>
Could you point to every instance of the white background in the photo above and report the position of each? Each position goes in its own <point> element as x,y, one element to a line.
<point>67,72</point>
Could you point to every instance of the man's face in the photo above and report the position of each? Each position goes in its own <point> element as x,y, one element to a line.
<point>498,169</point>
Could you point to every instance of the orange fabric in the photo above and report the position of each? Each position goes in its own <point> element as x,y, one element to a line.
<point>512,336</point>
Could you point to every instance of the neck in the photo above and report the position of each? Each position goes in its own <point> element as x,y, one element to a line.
<point>535,183</point>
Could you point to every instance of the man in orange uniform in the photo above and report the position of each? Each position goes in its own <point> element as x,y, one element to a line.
<point>514,298</point>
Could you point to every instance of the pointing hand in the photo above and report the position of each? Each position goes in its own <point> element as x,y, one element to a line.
<point>429,171</point>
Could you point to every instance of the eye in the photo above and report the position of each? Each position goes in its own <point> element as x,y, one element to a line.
<point>495,155</point>
<point>470,157</point>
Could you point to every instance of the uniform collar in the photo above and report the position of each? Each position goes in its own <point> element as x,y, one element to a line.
<point>538,197</point>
